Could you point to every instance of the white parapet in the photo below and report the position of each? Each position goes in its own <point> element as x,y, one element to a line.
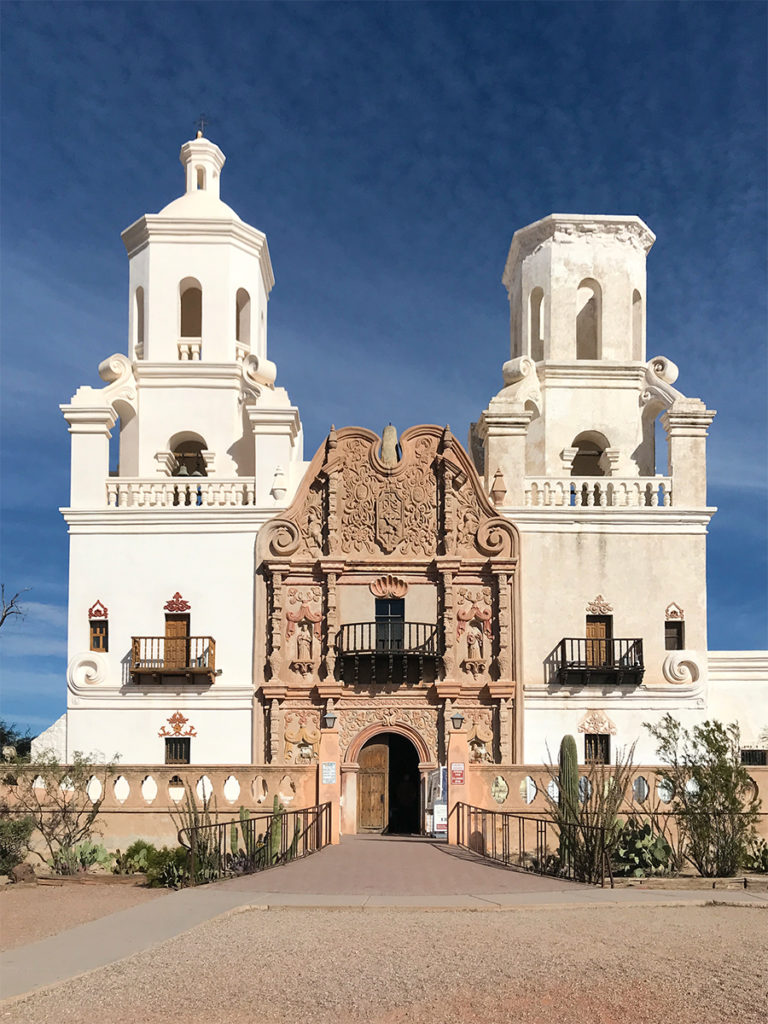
<point>180,492</point>
<point>598,492</point>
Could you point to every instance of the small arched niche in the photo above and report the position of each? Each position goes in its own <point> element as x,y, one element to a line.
<point>589,446</point>
<point>588,316</point>
<point>536,324</point>
<point>637,325</point>
<point>243,317</point>
<point>138,323</point>
<point>190,308</point>
<point>188,449</point>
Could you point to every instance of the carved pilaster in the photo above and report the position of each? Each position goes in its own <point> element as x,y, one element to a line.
<point>505,645</point>
<point>449,630</point>
<point>275,731</point>
<point>332,625</point>
<point>506,729</point>
<point>276,620</point>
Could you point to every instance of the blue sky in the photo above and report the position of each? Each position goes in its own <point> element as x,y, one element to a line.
<point>389,151</point>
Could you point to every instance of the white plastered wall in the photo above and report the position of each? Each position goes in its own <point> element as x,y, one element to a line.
<point>134,574</point>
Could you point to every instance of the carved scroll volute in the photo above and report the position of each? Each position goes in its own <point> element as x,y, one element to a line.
<point>449,629</point>
<point>276,620</point>
<point>505,632</point>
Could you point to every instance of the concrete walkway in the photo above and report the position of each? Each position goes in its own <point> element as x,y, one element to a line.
<point>364,872</point>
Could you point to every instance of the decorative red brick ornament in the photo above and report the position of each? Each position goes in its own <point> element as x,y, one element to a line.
<point>177,721</point>
<point>98,611</point>
<point>177,604</point>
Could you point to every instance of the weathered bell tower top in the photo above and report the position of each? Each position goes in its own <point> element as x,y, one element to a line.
<point>576,288</point>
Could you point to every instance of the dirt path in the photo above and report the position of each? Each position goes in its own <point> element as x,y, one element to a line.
<point>602,964</point>
<point>32,912</point>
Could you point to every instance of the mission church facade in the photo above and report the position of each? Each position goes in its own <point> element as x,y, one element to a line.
<point>232,604</point>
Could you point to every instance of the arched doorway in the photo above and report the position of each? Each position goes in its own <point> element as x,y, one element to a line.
<point>389,786</point>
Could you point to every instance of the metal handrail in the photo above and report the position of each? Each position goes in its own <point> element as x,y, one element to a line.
<point>388,636</point>
<point>249,844</point>
<point>542,845</point>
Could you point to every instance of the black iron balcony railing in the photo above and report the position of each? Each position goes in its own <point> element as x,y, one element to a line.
<point>388,636</point>
<point>158,656</point>
<point>388,651</point>
<point>577,660</point>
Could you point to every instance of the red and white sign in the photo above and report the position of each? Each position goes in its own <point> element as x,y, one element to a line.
<point>457,773</point>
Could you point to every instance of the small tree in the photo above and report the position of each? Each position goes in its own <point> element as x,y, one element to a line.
<point>714,798</point>
<point>11,607</point>
<point>56,797</point>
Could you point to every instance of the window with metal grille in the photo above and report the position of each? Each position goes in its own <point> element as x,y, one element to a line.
<point>390,619</point>
<point>755,757</point>
<point>597,748</point>
<point>99,635</point>
<point>674,636</point>
<point>177,750</point>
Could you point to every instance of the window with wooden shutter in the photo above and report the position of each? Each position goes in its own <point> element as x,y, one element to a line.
<point>99,635</point>
<point>599,631</point>
<point>674,635</point>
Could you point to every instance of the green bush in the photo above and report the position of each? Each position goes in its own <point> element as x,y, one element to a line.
<point>75,859</point>
<point>640,852</point>
<point>168,867</point>
<point>714,799</point>
<point>136,858</point>
<point>14,841</point>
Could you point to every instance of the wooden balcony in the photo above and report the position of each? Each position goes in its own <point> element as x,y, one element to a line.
<point>158,658</point>
<point>388,651</point>
<point>577,661</point>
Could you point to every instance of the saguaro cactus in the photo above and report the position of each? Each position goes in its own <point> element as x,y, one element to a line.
<point>568,797</point>
<point>276,831</point>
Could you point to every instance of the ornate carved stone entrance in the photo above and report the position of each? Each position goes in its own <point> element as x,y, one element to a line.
<point>389,787</point>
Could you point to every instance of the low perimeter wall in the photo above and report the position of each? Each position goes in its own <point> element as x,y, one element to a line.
<point>525,787</point>
<point>139,799</point>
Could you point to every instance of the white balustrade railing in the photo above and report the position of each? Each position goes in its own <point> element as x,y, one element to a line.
<point>598,492</point>
<point>180,492</point>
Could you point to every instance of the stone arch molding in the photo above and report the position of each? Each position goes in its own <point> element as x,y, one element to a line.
<point>87,669</point>
<point>377,728</point>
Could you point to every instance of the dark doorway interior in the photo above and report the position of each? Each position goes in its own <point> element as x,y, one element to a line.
<point>404,787</point>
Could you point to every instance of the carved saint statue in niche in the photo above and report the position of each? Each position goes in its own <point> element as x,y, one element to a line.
<point>304,642</point>
<point>474,642</point>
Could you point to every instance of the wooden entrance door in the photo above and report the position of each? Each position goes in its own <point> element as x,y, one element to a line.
<point>176,641</point>
<point>599,629</point>
<point>373,788</point>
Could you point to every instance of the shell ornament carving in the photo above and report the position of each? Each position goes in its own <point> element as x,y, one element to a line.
<point>389,586</point>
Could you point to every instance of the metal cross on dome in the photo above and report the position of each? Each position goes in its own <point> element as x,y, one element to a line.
<point>201,123</point>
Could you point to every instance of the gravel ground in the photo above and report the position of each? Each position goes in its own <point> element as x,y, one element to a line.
<point>605,965</point>
<point>32,912</point>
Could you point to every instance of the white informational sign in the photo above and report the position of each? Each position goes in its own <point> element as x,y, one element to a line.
<point>328,773</point>
<point>440,823</point>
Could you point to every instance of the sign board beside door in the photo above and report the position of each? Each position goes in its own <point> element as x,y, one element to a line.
<point>457,773</point>
<point>328,773</point>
